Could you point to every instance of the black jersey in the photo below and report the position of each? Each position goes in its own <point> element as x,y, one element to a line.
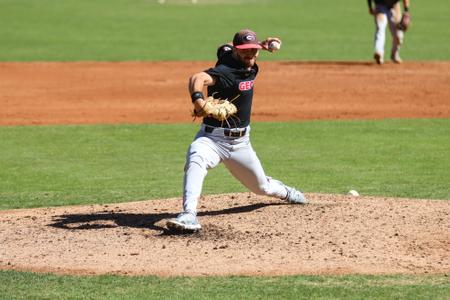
<point>233,81</point>
<point>388,3</point>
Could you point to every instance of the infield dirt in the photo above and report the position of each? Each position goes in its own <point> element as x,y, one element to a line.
<point>243,233</point>
<point>89,93</point>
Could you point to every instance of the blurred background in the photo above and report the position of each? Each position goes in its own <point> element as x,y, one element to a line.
<point>128,30</point>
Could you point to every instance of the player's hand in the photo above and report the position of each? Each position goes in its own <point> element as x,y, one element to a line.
<point>265,44</point>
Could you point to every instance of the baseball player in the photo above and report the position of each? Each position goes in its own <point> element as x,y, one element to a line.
<point>227,139</point>
<point>388,12</point>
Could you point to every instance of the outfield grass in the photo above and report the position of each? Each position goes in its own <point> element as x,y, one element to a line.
<point>15,285</point>
<point>62,165</point>
<point>123,30</point>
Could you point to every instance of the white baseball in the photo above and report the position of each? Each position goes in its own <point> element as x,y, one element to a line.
<point>353,193</point>
<point>274,45</point>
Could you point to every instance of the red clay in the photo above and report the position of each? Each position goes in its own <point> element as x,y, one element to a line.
<point>136,92</point>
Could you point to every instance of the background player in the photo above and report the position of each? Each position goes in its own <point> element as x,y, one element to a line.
<point>228,142</point>
<point>387,12</point>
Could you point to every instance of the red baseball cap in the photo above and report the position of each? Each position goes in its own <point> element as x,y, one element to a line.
<point>246,39</point>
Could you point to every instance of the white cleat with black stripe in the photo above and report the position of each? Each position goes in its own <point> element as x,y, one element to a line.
<point>184,222</point>
<point>294,196</point>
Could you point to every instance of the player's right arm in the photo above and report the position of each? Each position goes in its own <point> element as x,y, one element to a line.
<point>196,84</point>
<point>371,9</point>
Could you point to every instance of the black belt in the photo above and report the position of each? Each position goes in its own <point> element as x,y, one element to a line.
<point>227,132</point>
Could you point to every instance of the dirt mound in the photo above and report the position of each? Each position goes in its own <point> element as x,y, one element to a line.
<point>242,234</point>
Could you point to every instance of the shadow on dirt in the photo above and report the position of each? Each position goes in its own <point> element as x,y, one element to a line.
<point>112,219</point>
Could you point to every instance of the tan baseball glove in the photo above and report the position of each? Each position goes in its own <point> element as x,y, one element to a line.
<point>405,22</point>
<point>217,108</point>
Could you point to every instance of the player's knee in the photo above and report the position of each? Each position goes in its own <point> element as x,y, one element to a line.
<point>195,161</point>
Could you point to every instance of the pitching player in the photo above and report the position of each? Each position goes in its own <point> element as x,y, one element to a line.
<point>228,141</point>
<point>388,12</point>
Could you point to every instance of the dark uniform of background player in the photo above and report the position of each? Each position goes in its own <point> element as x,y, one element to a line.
<point>227,141</point>
<point>387,12</point>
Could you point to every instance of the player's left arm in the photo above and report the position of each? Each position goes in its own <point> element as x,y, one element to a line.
<point>405,5</point>
<point>405,20</point>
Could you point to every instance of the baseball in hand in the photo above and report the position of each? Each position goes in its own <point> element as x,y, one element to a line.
<point>274,45</point>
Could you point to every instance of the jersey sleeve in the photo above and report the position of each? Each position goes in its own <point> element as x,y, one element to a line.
<point>222,74</point>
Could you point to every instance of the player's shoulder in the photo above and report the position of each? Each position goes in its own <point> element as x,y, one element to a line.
<point>223,50</point>
<point>219,69</point>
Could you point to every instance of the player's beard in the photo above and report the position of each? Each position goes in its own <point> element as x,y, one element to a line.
<point>249,61</point>
<point>247,57</point>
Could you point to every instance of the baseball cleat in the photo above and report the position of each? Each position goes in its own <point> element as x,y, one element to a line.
<point>395,57</point>
<point>294,196</point>
<point>184,222</point>
<point>378,58</point>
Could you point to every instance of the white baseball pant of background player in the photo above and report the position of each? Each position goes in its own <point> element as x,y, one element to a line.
<point>383,16</point>
<point>209,149</point>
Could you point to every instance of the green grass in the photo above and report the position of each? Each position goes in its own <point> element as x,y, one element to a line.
<point>64,165</point>
<point>15,285</point>
<point>123,30</point>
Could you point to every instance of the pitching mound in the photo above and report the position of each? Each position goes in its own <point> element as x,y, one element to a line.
<point>243,234</point>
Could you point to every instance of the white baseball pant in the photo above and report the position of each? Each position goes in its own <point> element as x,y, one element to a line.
<point>209,149</point>
<point>383,17</point>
